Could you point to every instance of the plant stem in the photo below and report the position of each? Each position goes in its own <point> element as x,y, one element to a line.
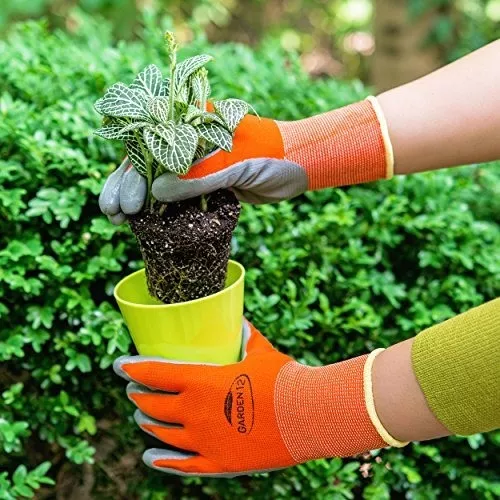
<point>171,93</point>
<point>150,181</point>
<point>204,203</point>
<point>148,158</point>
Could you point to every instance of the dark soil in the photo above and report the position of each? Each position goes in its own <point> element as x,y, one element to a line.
<point>186,249</point>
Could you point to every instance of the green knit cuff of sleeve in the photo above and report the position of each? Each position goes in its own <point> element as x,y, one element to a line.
<point>457,364</point>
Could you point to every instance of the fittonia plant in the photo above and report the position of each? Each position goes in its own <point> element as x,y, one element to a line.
<point>166,125</point>
<point>164,122</point>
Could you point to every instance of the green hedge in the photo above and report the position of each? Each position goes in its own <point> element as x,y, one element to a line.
<point>330,275</point>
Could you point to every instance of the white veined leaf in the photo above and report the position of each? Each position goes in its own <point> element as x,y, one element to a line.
<point>201,150</point>
<point>136,156</point>
<point>187,67</point>
<point>216,134</point>
<point>192,113</point>
<point>176,157</point>
<point>121,101</point>
<point>213,118</point>
<point>165,131</point>
<point>183,95</point>
<point>135,126</point>
<point>113,132</point>
<point>165,86</point>
<point>232,111</point>
<point>185,142</point>
<point>200,85</point>
<point>149,80</point>
<point>158,108</point>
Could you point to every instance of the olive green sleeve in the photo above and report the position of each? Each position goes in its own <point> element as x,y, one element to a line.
<point>457,364</point>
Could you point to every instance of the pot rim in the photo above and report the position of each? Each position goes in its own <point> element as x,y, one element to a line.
<point>178,304</point>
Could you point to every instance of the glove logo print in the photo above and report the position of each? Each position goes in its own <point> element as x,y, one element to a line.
<point>239,406</point>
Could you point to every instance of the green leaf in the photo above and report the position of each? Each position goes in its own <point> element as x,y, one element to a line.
<point>122,101</point>
<point>159,138</point>
<point>149,80</point>
<point>232,111</point>
<point>192,113</point>
<point>217,134</point>
<point>136,156</point>
<point>42,469</point>
<point>177,156</point>
<point>213,118</point>
<point>135,126</point>
<point>24,491</point>
<point>184,96</point>
<point>165,87</point>
<point>158,108</point>
<point>200,85</point>
<point>113,132</point>
<point>187,67</point>
<point>19,475</point>
<point>180,108</point>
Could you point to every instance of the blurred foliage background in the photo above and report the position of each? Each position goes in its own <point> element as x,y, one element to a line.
<point>383,42</point>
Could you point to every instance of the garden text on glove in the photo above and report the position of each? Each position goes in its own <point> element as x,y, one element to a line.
<point>266,412</point>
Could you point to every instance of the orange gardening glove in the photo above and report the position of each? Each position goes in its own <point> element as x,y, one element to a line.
<point>265,412</point>
<point>272,160</point>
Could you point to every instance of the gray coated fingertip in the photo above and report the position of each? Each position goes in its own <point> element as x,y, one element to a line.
<point>133,191</point>
<point>134,388</point>
<point>117,219</point>
<point>117,367</point>
<point>109,199</point>
<point>152,454</point>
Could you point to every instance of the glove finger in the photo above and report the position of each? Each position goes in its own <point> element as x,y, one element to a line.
<point>133,190</point>
<point>163,406</point>
<point>181,463</point>
<point>173,435</point>
<point>109,199</point>
<point>260,180</point>
<point>117,219</point>
<point>169,187</point>
<point>160,373</point>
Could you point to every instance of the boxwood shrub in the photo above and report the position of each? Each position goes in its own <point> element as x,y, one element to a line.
<point>331,275</point>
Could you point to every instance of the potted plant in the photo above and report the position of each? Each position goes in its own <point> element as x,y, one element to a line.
<point>193,302</point>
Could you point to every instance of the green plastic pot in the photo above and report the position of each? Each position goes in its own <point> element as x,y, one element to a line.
<point>203,330</point>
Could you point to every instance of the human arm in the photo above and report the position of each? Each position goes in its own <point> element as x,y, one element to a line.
<point>450,117</point>
<point>447,118</point>
<point>294,413</point>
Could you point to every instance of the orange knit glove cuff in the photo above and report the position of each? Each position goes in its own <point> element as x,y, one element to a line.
<point>345,146</point>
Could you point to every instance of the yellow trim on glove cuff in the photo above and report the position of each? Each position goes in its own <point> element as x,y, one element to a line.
<point>389,152</point>
<point>370,402</point>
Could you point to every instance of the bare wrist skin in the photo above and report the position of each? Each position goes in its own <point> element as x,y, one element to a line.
<point>399,401</point>
<point>448,118</point>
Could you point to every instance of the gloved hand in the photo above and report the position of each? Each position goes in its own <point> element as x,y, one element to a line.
<point>266,412</point>
<point>272,160</point>
<point>124,193</point>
